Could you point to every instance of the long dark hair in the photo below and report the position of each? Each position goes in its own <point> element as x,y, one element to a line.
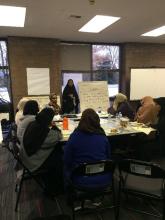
<point>37,131</point>
<point>90,122</point>
<point>31,108</point>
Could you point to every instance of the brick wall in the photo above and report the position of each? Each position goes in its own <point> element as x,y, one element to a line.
<point>45,53</point>
<point>139,55</point>
<point>34,53</point>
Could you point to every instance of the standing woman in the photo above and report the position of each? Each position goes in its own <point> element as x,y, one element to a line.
<point>88,143</point>
<point>70,99</point>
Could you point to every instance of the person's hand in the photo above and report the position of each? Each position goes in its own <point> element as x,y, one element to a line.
<point>71,95</point>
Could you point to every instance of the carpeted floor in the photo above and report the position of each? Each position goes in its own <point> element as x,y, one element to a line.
<point>34,204</point>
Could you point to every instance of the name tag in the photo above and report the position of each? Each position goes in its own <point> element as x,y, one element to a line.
<point>140,169</point>
<point>94,168</point>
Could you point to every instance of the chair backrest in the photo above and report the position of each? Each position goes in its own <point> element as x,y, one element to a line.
<point>141,168</point>
<point>11,142</point>
<point>13,145</point>
<point>94,168</point>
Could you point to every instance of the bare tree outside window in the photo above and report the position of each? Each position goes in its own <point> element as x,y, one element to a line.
<point>105,57</point>
<point>105,60</point>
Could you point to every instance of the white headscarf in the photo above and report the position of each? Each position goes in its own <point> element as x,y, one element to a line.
<point>20,108</point>
<point>22,103</point>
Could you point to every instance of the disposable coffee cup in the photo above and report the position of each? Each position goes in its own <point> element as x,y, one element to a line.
<point>124,122</point>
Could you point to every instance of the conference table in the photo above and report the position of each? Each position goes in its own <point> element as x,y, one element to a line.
<point>111,125</point>
<point>134,137</point>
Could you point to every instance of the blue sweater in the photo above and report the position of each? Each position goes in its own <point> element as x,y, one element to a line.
<point>86,147</point>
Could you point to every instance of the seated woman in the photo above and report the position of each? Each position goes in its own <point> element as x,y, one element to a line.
<point>40,149</point>
<point>88,143</point>
<point>70,99</point>
<point>30,110</point>
<point>145,113</point>
<point>120,104</point>
<point>19,110</point>
<point>152,113</point>
<point>160,122</point>
<point>53,103</point>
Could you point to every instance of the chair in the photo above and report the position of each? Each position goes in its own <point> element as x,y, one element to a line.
<point>143,180</point>
<point>12,144</point>
<point>56,217</point>
<point>77,193</point>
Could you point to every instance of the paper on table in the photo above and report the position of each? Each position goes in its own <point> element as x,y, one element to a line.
<point>144,130</point>
<point>66,132</point>
<point>56,117</point>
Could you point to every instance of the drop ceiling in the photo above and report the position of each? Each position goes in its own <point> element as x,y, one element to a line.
<point>61,19</point>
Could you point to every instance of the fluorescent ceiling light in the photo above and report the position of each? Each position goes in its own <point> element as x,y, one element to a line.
<point>12,16</point>
<point>156,32</point>
<point>98,23</point>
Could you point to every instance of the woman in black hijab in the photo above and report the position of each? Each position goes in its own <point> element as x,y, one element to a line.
<point>37,131</point>
<point>41,150</point>
<point>70,99</point>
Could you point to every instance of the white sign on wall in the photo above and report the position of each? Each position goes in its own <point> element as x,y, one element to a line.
<point>38,81</point>
<point>147,82</point>
<point>93,95</point>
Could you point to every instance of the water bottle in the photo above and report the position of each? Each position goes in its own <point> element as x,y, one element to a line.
<point>65,123</point>
<point>120,115</point>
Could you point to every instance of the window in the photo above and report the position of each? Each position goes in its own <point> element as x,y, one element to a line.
<point>4,73</point>
<point>105,64</point>
<point>76,76</point>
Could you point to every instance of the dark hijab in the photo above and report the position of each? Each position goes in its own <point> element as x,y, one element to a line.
<point>31,108</point>
<point>70,89</point>
<point>90,122</point>
<point>37,131</point>
<point>161,101</point>
<point>68,104</point>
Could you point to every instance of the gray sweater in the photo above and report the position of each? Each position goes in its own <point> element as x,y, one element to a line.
<point>36,160</point>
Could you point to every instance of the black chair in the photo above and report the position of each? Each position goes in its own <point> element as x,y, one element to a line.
<point>77,193</point>
<point>145,181</point>
<point>56,217</point>
<point>12,144</point>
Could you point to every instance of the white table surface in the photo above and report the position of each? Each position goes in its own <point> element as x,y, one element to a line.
<point>108,125</point>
